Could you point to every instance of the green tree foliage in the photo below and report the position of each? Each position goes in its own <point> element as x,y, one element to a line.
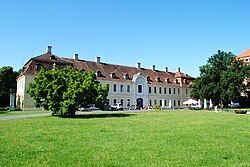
<point>7,84</point>
<point>64,90</point>
<point>221,79</point>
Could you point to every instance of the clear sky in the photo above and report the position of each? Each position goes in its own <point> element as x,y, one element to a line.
<point>176,33</point>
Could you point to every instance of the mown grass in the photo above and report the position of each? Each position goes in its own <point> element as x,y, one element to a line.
<point>9,113</point>
<point>162,138</point>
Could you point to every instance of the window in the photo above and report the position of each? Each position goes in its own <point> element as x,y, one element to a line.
<point>108,86</point>
<point>178,91</point>
<point>149,89</point>
<point>165,90</point>
<point>98,73</point>
<point>169,91</point>
<point>38,66</point>
<point>128,103</point>
<point>82,70</point>
<point>114,87</point>
<point>121,88</point>
<point>165,102</point>
<point>155,90</point>
<point>155,102</point>
<point>186,91</point>
<point>128,88</point>
<point>122,102</point>
<point>179,103</point>
<point>112,75</point>
<point>126,76</point>
<point>174,91</point>
<point>150,102</point>
<point>139,88</point>
<point>158,79</point>
<point>160,90</point>
<point>160,102</point>
<point>174,103</point>
<point>115,101</point>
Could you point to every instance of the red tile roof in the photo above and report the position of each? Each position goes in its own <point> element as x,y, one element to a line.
<point>244,54</point>
<point>47,60</point>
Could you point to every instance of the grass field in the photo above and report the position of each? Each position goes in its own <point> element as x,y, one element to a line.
<point>160,138</point>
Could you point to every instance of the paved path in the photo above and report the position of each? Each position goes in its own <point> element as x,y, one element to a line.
<point>77,113</point>
<point>23,116</point>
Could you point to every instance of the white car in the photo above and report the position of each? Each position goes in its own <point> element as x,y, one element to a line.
<point>117,106</point>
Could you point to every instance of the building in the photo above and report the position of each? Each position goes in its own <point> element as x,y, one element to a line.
<point>245,56</point>
<point>127,85</point>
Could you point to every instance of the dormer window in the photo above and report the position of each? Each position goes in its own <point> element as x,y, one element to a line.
<point>38,66</point>
<point>167,80</point>
<point>98,73</point>
<point>112,75</point>
<point>52,57</point>
<point>126,76</point>
<point>176,81</point>
<point>148,78</point>
<point>185,81</point>
<point>158,79</point>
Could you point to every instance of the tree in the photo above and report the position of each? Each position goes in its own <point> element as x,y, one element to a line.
<point>7,84</point>
<point>221,79</point>
<point>63,91</point>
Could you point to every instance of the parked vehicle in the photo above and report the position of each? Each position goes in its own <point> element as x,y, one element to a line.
<point>89,108</point>
<point>116,107</point>
<point>234,105</point>
<point>195,107</point>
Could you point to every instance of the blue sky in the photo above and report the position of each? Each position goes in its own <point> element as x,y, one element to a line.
<point>175,33</point>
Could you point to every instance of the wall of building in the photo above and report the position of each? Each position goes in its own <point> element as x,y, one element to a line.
<point>24,100</point>
<point>174,94</point>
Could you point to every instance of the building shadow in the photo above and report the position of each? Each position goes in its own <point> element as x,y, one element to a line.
<point>100,115</point>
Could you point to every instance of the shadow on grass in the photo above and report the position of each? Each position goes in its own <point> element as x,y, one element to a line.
<point>4,112</point>
<point>90,116</point>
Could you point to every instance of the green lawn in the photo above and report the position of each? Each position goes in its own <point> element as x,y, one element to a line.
<point>9,113</point>
<point>162,138</point>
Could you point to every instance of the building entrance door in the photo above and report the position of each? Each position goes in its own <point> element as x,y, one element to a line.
<point>139,103</point>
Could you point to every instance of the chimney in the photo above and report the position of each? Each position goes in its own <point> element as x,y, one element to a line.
<point>98,60</point>
<point>153,67</point>
<point>138,65</point>
<point>75,56</point>
<point>166,69</point>
<point>49,49</point>
<point>179,69</point>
